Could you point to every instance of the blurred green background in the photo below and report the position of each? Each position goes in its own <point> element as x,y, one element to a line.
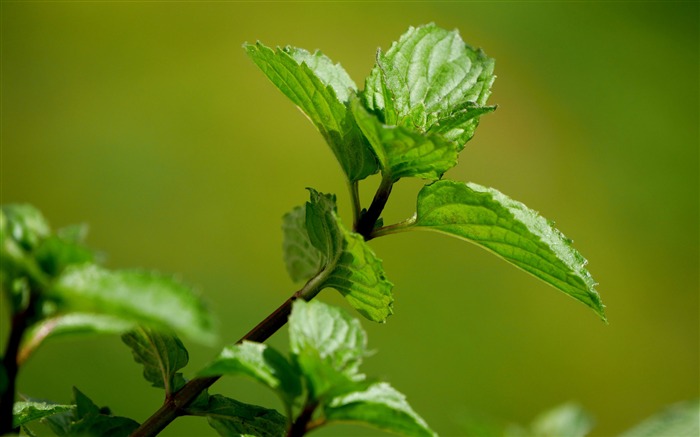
<point>147,121</point>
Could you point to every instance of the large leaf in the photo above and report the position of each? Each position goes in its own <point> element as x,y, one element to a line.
<point>260,362</point>
<point>568,420</point>
<point>27,411</point>
<point>161,355</point>
<point>328,346</point>
<point>230,418</point>
<point>321,90</point>
<point>508,228</point>
<point>679,420</point>
<point>381,406</point>
<point>146,298</point>
<point>404,152</point>
<point>318,247</point>
<point>431,78</point>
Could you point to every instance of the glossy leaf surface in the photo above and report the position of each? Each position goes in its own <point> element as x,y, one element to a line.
<point>508,228</point>
<point>321,90</point>
<point>161,356</point>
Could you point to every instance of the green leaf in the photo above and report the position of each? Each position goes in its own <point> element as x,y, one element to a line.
<point>678,420</point>
<point>321,90</point>
<point>233,418</point>
<point>161,355</point>
<point>25,412</point>
<point>76,324</point>
<point>508,228</point>
<point>54,254</point>
<point>319,248</point>
<point>301,258</point>
<point>87,419</point>
<point>145,298</point>
<point>25,225</point>
<point>328,346</point>
<point>261,363</point>
<point>380,406</point>
<point>568,420</point>
<point>427,79</point>
<point>404,152</point>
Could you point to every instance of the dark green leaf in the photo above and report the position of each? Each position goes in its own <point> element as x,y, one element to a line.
<point>25,412</point>
<point>508,228</point>
<point>380,406</point>
<point>88,420</point>
<point>314,236</point>
<point>260,362</point>
<point>161,355</point>
<point>426,78</point>
<point>321,90</point>
<point>404,152</point>
<point>145,298</point>
<point>232,418</point>
<point>328,346</point>
<point>679,420</point>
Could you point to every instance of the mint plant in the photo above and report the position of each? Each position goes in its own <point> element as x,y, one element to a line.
<point>420,105</point>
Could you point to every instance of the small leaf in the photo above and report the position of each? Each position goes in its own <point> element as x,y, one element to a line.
<point>301,258</point>
<point>87,419</point>
<point>508,228</point>
<point>328,346</point>
<point>568,420</point>
<point>321,90</point>
<point>314,236</point>
<point>232,418</point>
<point>25,412</point>
<point>678,420</point>
<point>161,355</point>
<point>380,406</point>
<point>54,254</point>
<point>24,224</point>
<point>260,362</point>
<point>404,152</point>
<point>426,78</point>
<point>146,298</point>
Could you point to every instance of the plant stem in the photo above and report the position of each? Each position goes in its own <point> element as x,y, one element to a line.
<point>20,322</point>
<point>355,200</point>
<point>365,225</point>
<point>173,406</point>
<point>393,229</point>
<point>300,426</point>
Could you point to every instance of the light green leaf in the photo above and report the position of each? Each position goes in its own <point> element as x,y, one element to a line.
<point>404,152</point>
<point>426,78</point>
<point>328,346</point>
<point>679,420</point>
<point>568,420</point>
<point>508,228</point>
<point>233,418</point>
<point>260,362</point>
<point>145,298</point>
<point>25,412</point>
<point>380,406</point>
<point>319,248</point>
<point>54,254</point>
<point>24,224</point>
<point>321,90</point>
<point>301,258</point>
<point>161,355</point>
